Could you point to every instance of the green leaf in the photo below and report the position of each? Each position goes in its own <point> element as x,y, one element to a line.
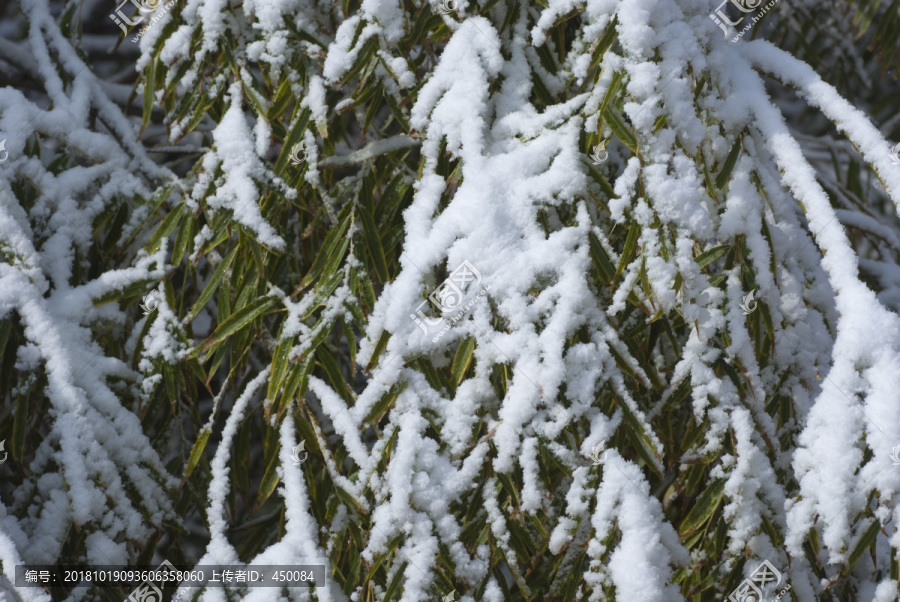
<point>645,280</point>
<point>541,91</point>
<point>331,274</point>
<point>621,131</point>
<point>212,285</point>
<point>269,482</point>
<point>710,255</point>
<point>139,347</point>
<point>168,373</point>
<point>814,540</point>
<point>236,321</point>
<point>614,84</point>
<point>379,348</point>
<point>328,247</point>
<point>773,263</point>
<point>599,179</point>
<point>374,107</point>
<point>730,161</point>
<point>641,441</point>
<point>154,204</point>
<point>333,371</point>
<point>282,98</point>
<point>396,587</point>
<point>183,239</point>
<point>166,227</point>
<point>197,451</point>
<point>20,425</point>
<point>866,541</point>
<point>770,530</point>
<point>254,97</point>
<point>366,53</point>
<point>295,136</point>
<point>149,83</point>
<point>462,360</point>
<point>383,404</point>
<point>132,290</point>
<point>279,366</point>
<point>703,509</point>
<point>609,36</point>
<point>5,330</point>
<point>373,241</point>
<point>296,382</point>
<point>630,248</point>
<point>65,22</point>
<point>601,259</point>
<point>718,279</point>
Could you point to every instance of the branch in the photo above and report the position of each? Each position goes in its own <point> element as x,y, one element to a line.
<point>379,147</point>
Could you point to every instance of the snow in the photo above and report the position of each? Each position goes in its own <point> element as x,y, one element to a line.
<point>235,153</point>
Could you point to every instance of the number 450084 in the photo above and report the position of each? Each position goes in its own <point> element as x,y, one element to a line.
<point>293,576</point>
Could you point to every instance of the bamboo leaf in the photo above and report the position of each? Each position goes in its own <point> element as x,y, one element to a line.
<point>154,204</point>
<point>611,91</point>
<point>149,89</point>
<point>379,348</point>
<point>212,285</point>
<point>621,131</point>
<point>703,510</point>
<point>373,241</point>
<point>197,451</point>
<point>730,161</point>
<point>710,255</point>
<point>630,248</point>
<point>236,321</point>
<point>20,425</point>
<point>279,366</point>
<point>609,36</point>
<point>269,482</point>
<point>328,247</point>
<point>166,227</point>
<point>396,587</point>
<point>462,360</point>
<point>601,259</point>
<point>295,136</point>
<point>865,541</point>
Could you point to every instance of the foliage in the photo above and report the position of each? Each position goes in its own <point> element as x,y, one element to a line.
<point>296,177</point>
